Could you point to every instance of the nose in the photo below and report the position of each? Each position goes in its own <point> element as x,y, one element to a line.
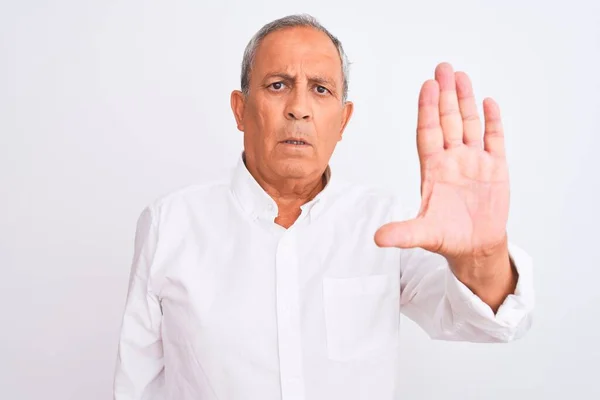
<point>298,107</point>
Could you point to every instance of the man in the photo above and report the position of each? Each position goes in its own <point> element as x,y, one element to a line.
<point>284,283</point>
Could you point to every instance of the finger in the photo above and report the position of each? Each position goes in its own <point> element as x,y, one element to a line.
<point>468,110</point>
<point>494,133</point>
<point>405,234</point>
<point>449,111</point>
<point>430,138</point>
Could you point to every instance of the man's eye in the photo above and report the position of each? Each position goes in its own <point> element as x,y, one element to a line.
<point>277,85</point>
<point>322,90</point>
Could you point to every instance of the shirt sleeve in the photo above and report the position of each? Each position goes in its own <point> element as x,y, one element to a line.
<point>446,309</point>
<point>139,373</point>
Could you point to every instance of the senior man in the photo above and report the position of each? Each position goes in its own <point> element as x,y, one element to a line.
<point>285,283</point>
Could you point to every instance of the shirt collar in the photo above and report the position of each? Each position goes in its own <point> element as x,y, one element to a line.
<point>258,204</point>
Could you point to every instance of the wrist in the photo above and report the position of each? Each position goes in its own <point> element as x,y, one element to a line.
<point>485,268</point>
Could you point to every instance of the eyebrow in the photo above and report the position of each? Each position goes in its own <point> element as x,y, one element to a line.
<point>318,79</point>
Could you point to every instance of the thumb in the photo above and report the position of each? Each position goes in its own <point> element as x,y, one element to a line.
<point>405,234</point>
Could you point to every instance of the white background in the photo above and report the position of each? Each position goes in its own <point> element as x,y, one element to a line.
<point>106,105</point>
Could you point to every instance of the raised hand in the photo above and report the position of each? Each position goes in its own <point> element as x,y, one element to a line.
<point>464,175</point>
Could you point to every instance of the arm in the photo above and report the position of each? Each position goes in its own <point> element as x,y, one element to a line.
<point>456,277</point>
<point>139,371</point>
<point>433,297</point>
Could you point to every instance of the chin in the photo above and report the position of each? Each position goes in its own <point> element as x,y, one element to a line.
<point>295,168</point>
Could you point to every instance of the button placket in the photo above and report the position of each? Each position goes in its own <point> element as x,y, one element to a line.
<point>288,317</point>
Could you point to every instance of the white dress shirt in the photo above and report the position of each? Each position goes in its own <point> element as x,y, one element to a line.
<point>225,304</point>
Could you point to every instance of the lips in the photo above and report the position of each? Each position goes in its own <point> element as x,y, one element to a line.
<point>296,141</point>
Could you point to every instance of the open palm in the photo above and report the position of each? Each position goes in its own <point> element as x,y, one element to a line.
<point>464,174</point>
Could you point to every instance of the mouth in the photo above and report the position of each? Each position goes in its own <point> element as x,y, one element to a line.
<point>296,142</point>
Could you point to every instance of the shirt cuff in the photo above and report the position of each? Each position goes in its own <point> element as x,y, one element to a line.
<point>513,318</point>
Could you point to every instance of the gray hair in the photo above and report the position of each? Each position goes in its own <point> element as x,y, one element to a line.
<point>291,21</point>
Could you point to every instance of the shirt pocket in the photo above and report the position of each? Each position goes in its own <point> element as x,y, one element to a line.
<point>362,315</point>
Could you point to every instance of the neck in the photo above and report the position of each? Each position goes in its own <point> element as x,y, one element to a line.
<point>288,194</point>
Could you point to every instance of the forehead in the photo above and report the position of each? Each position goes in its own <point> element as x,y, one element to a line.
<point>298,49</point>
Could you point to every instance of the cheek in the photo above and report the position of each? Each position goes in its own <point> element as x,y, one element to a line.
<point>329,126</point>
<point>266,121</point>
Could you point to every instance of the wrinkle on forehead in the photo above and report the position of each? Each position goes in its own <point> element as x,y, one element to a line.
<point>300,52</point>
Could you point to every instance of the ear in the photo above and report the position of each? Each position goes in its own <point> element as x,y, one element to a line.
<point>346,115</point>
<point>238,104</point>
